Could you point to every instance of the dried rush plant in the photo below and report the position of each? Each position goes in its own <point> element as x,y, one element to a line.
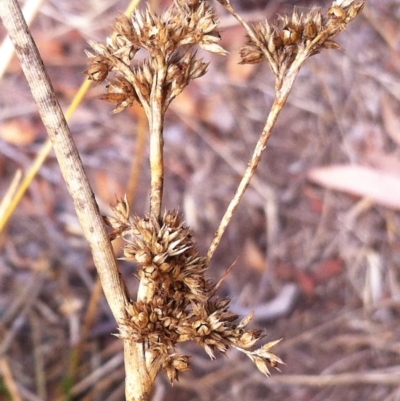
<point>175,302</point>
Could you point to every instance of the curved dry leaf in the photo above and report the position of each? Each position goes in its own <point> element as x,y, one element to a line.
<point>376,185</point>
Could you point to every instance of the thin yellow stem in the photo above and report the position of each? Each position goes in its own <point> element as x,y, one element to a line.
<point>40,159</point>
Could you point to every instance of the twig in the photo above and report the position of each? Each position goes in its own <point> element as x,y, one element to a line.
<point>156,120</point>
<point>377,377</point>
<point>40,372</point>
<point>105,369</point>
<point>9,379</point>
<point>77,349</point>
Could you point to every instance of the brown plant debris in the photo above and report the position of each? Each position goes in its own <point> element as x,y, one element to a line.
<point>180,304</point>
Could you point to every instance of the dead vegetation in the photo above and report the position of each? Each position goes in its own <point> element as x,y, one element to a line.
<point>338,251</point>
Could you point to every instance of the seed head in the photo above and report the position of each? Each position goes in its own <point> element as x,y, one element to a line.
<point>183,306</point>
<point>282,40</point>
<point>169,39</point>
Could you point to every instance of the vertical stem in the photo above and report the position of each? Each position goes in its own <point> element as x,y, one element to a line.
<point>138,383</point>
<point>135,361</point>
<point>156,122</point>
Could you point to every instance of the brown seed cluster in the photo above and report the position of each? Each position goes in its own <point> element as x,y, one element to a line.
<point>282,40</point>
<point>168,40</point>
<point>178,303</point>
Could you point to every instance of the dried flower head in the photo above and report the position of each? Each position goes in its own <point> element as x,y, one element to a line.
<point>298,37</point>
<point>168,40</point>
<point>179,303</point>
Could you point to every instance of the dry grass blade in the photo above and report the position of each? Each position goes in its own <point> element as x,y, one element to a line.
<point>7,199</point>
<point>9,380</point>
<point>46,148</point>
<point>39,161</point>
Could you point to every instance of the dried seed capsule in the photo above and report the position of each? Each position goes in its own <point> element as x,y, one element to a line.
<point>337,13</point>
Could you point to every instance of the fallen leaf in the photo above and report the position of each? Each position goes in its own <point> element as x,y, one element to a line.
<point>379,186</point>
<point>306,283</point>
<point>18,132</point>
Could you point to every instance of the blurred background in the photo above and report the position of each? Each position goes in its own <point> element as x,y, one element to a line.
<point>315,242</point>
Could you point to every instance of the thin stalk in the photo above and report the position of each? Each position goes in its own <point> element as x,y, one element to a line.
<point>137,364</point>
<point>156,122</point>
<point>155,114</point>
<point>281,96</point>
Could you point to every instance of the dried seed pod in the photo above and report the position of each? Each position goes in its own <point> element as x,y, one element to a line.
<point>97,72</point>
<point>181,362</point>
<point>337,12</point>
<point>201,327</point>
<point>143,258</point>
